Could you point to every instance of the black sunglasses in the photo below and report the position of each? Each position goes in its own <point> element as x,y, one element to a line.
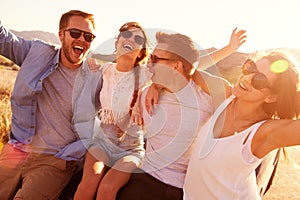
<point>155,58</point>
<point>259,80</point>
<point>138,39</point>
<point>76,33</point>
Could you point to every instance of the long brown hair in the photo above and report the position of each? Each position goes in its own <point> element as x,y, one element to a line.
<point>285,86</point>
<point>139,60</point>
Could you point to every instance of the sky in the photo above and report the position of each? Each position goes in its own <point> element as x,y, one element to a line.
<point>269,23</point>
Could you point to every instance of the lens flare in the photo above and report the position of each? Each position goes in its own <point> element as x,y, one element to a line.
<point>279,66</point>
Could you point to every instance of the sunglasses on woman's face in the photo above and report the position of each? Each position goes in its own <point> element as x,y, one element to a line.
<point>259,80</point>
<point>76,33</point>
<point>138,39</point>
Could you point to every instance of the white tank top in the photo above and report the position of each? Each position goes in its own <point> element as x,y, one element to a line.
<point>222,168</point>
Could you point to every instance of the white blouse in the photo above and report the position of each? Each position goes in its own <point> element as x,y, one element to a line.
<point>117,92</point>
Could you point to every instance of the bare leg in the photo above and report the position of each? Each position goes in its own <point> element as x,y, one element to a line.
<point>93,171</point>
<point>117,177</point>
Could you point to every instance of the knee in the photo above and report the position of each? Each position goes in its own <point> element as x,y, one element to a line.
<point>107,191</point>
<point>83,192</point>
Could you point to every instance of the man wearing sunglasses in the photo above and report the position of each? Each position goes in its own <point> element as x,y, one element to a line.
<point>40,157</point>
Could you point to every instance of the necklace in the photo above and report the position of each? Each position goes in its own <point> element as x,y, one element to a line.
<point>245,122</point>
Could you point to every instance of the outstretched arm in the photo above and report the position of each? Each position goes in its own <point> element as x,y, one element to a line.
<point>275,134</point>
<point>236,40</point>
<point>217,87</point>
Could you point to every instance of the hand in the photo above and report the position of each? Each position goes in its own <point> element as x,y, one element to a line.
<point>152,97</point>
<point>136,114</point>
<point>93,65</point>
<point>237,39</point>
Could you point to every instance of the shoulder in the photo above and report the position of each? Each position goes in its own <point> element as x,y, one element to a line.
<point>267,138</point>
<point>216,85</point>
<point>42,43</point>
<point>93,64</point>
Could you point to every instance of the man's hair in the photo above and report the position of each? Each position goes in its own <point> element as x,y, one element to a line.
<point>63,23</point>
<point>181,46</point>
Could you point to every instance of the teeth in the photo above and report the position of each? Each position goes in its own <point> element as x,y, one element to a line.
<point>242,86</point>
<point>78,47</point>
<point>127,46</point>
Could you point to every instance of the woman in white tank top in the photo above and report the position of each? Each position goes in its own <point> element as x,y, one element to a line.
<point>255,120</point>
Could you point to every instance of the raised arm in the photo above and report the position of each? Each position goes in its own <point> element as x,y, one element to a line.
<point>217,87</point>
<point>236,40</point>
<point>275,134</point>
<point>13,47</point>
<point>224,87</point>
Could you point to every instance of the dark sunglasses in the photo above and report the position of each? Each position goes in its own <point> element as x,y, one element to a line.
<point>76,33</point>
<point>138,39</point>
<point>259,80</point>
<point>155,59</point>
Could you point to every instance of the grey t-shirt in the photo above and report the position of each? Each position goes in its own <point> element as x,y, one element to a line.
<point>54,113</point>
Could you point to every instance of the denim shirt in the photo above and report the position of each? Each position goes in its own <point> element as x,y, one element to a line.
<point>38,60</point>
<point>86,103</point>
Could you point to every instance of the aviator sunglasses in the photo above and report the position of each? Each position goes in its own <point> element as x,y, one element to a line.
<point>76,33</point>
<point>259,80</point>
<point>155,58</point>
<point>138,39</point>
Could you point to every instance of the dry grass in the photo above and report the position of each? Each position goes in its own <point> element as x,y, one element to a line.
<point>7,79</point>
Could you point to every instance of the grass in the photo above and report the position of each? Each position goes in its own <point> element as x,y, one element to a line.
<point>7,79</point>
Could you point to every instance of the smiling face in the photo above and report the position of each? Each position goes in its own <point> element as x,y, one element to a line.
<point>280,97</point>
<point>257,84</point>
<point>161,65</point>
<point>130,43</point>
<point>75,49</point>
<point>167,70</point>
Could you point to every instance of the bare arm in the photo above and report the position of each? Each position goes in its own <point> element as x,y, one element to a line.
<point>275,134</point>
<point>136,112</point>
<point>152,97</point>
<point>224,87</point>
<point>217,87</point>
<point>236,40</point>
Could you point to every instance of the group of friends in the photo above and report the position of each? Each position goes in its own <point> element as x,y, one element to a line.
<point>150,125</point>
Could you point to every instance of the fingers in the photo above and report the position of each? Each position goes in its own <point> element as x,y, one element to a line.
<point>148,105</point>
<point>136,115</point>
<point>137,119</point>
<point>238,37</point>
<point>93,65</point>
<point>233,31</point>
<point>241,35</point>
